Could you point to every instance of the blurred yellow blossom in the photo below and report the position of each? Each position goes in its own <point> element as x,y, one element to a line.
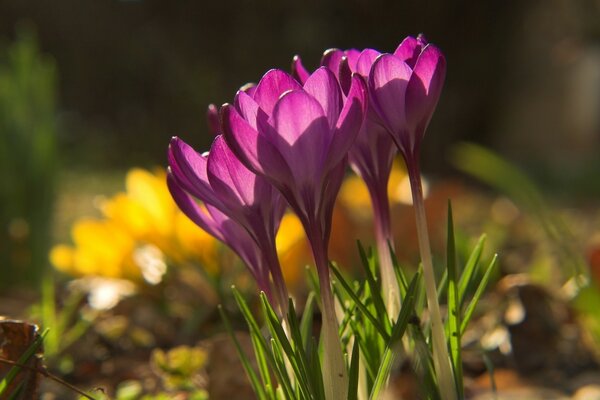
<point>142,229</point>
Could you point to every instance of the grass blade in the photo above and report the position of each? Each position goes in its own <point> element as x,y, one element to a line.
<point>453,322</point>
<point>482,285</point>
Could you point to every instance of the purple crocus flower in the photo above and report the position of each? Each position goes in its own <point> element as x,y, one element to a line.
<point>405,88</point>
<point>240,209</point>
<point>298,136</point>
<point>371,157</point>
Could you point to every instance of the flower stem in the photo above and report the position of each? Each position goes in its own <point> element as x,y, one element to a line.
<point>441,358</point>
<point>281,293</point>
<point>383,237</point>
<point>335,376</point>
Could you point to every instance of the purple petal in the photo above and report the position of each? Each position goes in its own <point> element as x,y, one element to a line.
<point>409,50</point>
<point>298,71</point>
<point>231,181</point>
<point>365,62</point>
<point>270,88</point>
<point>324,87</point>
<point>302,134</point>
<point>352,56</point>
<point>247,107</point>
<point>350,121</point>
<point>212,118</point>
<point>424,88</point>
<point>189,169</point>
<point>387,85</point>
<point>252,149</point>
<point>191,209</point>
<point>331,59</point>
<point>345,75</point>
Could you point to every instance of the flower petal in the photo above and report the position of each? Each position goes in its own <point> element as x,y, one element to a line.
<point>247,107</point>
<point>192,209</point>
<point>253,149</point>
<point>331,59</point>
<point>298,71</point>
<point>365,62</point>
<point>302,135</point>
<point>232,182</point>
<point>324,87</point>
<point>212,118</point>
<point>272,85</point>
<point>409,50</point>
<point>349,122</point>
<point>424,88</point>
<point>189,169</point>
<point>387,86</point>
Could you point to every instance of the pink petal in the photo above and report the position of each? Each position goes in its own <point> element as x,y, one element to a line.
<point>424,87</point>
<point>189,169</point>
<point>212,118</point>
<point>349,122</point>
<point>253,149</point>
<point>324,87</point>
<point>233,183</point>
<point>191,209</point>
<point>365,62</point>
<point>302,134</point>
<point>409,50</point>
<point>247,107</point>
<point>298,71</point>
<point>387,85</point>
<point>331,59</point>
<point>270,88</point>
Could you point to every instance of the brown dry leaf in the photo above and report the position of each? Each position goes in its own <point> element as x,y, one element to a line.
<point>15,338</point>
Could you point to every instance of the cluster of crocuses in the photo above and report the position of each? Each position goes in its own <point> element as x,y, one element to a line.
<point>287,142</point>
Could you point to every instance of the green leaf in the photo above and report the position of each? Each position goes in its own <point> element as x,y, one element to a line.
<point>368,264</point>
<point>453,322</point>
<point>353,372</point>
<point>469,271</point>
<point>256,384</point>
<point>374,321</point>
<point>406,311</point>
<point>480,289</point>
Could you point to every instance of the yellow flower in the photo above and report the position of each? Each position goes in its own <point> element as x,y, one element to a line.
<point>142,228</point>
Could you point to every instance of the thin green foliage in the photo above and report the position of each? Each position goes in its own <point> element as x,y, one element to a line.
<point>254,381</point>
<point>478,293</point>
<point>454,312</point>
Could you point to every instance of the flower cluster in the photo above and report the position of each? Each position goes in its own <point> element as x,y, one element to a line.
<point>288,141</point>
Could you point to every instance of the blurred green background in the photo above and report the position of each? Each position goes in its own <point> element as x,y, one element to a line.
<point>91,88</point>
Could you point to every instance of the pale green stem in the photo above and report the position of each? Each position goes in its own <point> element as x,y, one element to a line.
<point>335,376</point>
<point>441,358</point>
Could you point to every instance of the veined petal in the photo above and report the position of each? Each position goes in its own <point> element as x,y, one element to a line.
<point>247,107</point>
<point>301,134</point>
<point>365,62</point>
<point>271,86</point>
<point>349,122</point>
<point>191,209</point>
<point>212,118</point>
<point>189,168</point>
<point>347,67</point>
<point>254,150</point>
<point>298,71</point>
<point>388,80</point>
<point>324,87</point>
<point>232,182</point>
<point>409,50</point>
<point>424,88</point>
<point>331,59</point>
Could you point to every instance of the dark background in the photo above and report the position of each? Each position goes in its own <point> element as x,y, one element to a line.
<point>134,73</point>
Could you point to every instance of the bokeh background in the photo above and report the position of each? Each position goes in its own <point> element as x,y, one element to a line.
<point>107,83</point>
